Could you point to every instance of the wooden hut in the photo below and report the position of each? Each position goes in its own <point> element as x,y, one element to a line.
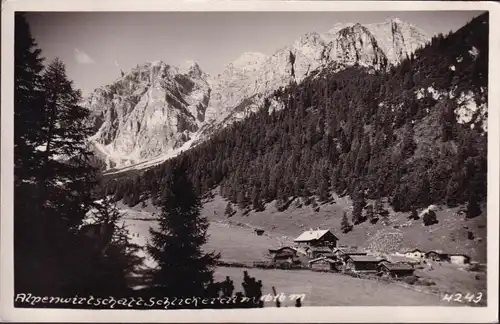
<point>362,263</point>
<point>322,263</point>
<point>395,270</point>
<point>459,258</point>
<point>259,231</point>
<point>437,255</point>
<point>284,254</point>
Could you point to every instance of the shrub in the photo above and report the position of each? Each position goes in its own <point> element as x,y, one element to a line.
<point>427,282</point>
<point>411,280</point>
<point>430,218</point>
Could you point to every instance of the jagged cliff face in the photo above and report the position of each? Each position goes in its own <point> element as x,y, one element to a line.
<point>150,110</point>
<point>156,110</point>
<point>396,38</point>
<point>237,81</point>
<point>357,45</point>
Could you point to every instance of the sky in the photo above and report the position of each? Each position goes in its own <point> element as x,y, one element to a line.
<point>95,45</point>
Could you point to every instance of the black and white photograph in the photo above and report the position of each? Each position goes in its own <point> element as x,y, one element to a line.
<point>237,159</point>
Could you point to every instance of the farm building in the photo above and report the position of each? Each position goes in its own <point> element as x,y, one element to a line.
<point>283,254</point>
<point>317,238</point>
<point>415,254</point>
<point>323,263</point>
<point>402,259</point>
<point>437,255</point>
<point>459,259</point>
<point>395,270</point>
<point>362,263</point>
<point>344,254</point>
<point>259,231</point>
<point>315,252</point>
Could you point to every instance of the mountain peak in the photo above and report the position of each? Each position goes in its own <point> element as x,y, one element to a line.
<point>189,103</point>
<point>249,58</point>
<point>396,20</point>
<point>310,37</point>
<point>190,67</point>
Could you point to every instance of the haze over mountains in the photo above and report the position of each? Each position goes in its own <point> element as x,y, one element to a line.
<point>156,110</point>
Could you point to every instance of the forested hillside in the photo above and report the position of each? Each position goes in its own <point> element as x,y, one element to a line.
<point>416,134</point>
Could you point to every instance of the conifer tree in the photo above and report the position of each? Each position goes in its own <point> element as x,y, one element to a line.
<point>113,257</point>
<point>27,132</point>
<point>430,218</point>
<point>256,200</point>
<point>473,208</point>
<point>242,199</point>
<point>358,205</point>
<point>414,214</point>
<point>229,210</point>
<point>51,145</point>
<point>28,100</point>
<point>345,226</point>
<point>183,269</point>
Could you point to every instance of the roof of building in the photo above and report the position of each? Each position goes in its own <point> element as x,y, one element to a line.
<point>440,252</point>
<point>344,249</point>
<point>312,235</point>
<point>322,258</point>
<point>401,259</point>
<point>277,250</point>
<point>459,254</point>
<point>320,249</point>
<point>414,250</point>
<point>347,253</point>
<point>327,254</point>
<point>364,258</point>
<point>397,266</point>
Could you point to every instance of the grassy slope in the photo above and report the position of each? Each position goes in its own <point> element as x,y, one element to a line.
<point>235,243</point>
<point>449,235</point>
<point>236,240</point>
<point>329,289</point>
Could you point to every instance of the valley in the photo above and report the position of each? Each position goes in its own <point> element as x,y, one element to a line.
<point>237,242</point>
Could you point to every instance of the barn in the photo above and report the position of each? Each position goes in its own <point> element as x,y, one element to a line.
<point>259,231</point>
<point>415,254</point>
<point>459,259</point>
<point>437,255</point>
<point>395,270</point>
<point>322,263</point>
<point>402,259</point>
<point>284,254</point>
<point>316,238</point>
<point>315,252</point>
<point>344,254</point>
<point>362,263</point>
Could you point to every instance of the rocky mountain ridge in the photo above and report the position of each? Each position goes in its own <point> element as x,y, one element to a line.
<point>156,110</point>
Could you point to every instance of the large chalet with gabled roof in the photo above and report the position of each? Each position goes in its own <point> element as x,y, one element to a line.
<point>317,238</point>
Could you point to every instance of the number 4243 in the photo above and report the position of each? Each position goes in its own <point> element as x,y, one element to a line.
<point>471,298</point>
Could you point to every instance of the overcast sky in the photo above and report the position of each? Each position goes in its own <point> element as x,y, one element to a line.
<point>91,44</point>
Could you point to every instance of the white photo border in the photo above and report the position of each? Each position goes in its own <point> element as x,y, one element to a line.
<point>350,314</point>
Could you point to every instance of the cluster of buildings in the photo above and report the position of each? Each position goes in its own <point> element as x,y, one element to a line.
<point>436,255</point>
<point>318,249</point>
